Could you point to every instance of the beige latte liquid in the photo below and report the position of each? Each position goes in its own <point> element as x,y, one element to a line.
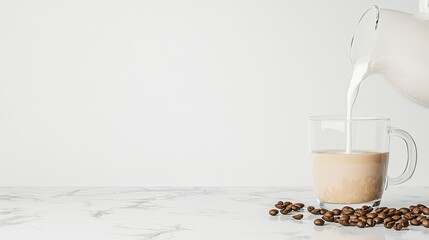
<point>355,177</point>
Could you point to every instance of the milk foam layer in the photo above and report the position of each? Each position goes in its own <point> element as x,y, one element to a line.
<point>349,178</point>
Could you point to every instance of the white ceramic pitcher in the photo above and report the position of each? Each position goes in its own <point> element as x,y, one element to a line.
<point>397,45</point>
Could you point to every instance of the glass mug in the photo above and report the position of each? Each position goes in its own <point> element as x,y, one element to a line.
<point>360,177</point>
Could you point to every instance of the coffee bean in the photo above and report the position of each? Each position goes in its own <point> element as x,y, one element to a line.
<point>397,212</point>
<point>348,212</point>
<point>328,219</point>
<point>409,216</point>
<point>353,223</point>
<point>323,211</point>
<point>359,213</point>
<point>310,208</point>
<point>336,211</point>
<point>417,211</point>
<point>382,215</point>
<point>361,224</point>
<point>329,214</point>
<point>295,207</point>
<point>426,211</point>
<point>354,220</point>
<point>315,211</point>
<point>298,216</point>
<point>285,211</point>
<point>300,205</point>
<point>279,205</point>
<point>404,222</point>
<point>346,207</point>
<point>396,217</point>
<point>389,224</point>
<point>287,203</point>
<point>415,222</point>
<point>370,222</point>
<point>345,217</point>
<point>398,226</point>
<point>319,222</point>
<point>421,206</point>
<point>425,223</point>
<point>378,220</point>
<point>404,210</point>
<point>273,212</point>
<point>422,219</point>
<point>288,207</point>
<point>386,220</point>
<point>379,210</point>
<point>372,215</point>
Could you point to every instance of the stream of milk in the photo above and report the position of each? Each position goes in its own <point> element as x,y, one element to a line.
<point>359,72</point>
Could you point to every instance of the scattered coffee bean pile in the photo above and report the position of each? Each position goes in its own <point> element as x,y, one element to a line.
<point>365,216</point>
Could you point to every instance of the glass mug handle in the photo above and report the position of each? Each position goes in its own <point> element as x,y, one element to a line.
<point>411,157</point>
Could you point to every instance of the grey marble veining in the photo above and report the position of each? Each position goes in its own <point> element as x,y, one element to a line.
<point>144,213</point>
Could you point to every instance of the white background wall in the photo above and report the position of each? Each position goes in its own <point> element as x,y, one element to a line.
<point>181,92</point>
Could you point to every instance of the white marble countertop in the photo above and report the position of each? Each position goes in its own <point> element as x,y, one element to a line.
<point>179,213</point>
